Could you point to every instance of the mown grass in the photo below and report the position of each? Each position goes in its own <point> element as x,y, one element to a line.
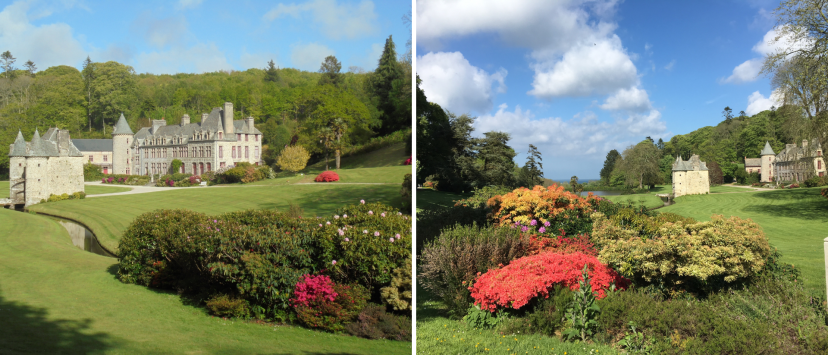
<point>724,188</point>
<point>90,189</point>
<point>109,216</point>
<point>795,221</point>
<point>428,199</point>
<point>56,298</point>
<point>648,200</point>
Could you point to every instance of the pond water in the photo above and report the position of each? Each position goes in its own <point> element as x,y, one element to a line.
<point>82,237</point>
<point>602,193</point>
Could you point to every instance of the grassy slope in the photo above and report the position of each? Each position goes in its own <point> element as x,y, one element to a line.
<point>90,189</point>
<point>795,221</point>
<point>56,298</point>
<point>437,334</point>
<point>649,200</point>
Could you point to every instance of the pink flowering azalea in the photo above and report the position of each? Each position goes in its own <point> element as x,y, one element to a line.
<point>376,234</point>
<point>362,201</point>
<point>328,223</point>
<point>391,240</point>
<point>364,231</point>
<point>397,236</point>
<point>333,262</point>
<point>347,240</point>
<point>382,214</point>
<point>336,216</point>
<point>320,224</point>
<point>542,230</point>
<point>370,213</point>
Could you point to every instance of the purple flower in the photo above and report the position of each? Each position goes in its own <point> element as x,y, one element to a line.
<point>391,240</point>
<point>542,230</point>
<point>524,229</point>
<point>214,221</point>
<point>546,223</point>
<point>347,240</point>
<point>517,223</point>
<point>534,222</point>
<point>362,201</point>
<point>333,262</point>
<point>370,213</point>
<point>376,234</point>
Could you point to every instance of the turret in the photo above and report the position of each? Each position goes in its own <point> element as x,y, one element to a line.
<point>122,137</point>
<point>227,118</point>
<point>768,158</point>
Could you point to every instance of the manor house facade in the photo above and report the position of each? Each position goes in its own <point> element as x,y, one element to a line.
<point>793,163</point>
<point>216,142</point>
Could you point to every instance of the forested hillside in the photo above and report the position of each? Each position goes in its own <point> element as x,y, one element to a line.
<point>286,103</point>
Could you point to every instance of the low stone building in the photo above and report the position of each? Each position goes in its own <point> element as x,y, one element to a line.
<point>97,152</point>
<point>690,177</point>
<point>48,165</point>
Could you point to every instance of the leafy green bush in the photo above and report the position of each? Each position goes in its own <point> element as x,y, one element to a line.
<point>481,195</point>
<point>225,306</point>
<point>398,294</point>
<point>74,196</point>
<point>334,316</point>
<point>92,172</point>
<point>406,193</point>
<point>451,263</point>
<point>375,323</point>
<point>430,223</point>
<point>293,158</point>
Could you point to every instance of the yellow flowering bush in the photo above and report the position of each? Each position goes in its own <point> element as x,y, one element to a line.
<point>684,254</point>
<point>540,203</point>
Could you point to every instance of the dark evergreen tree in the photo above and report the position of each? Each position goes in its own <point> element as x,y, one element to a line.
<point>388,71</point>
<point>8,64</point>
<point>88,74</point>
<point>532,172</point>
<point>497,157</point>
<point>30,67</point>
<point>330,71</point>
<point>435,139</point>
<point>271,73</point>
<point>609,164</point>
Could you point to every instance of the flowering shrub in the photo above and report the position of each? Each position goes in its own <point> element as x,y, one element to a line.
<point>126,179</point>
<point>310,287</point>
<point>327,176</point>
<point>407,161</point>
<point>430,185</point>
<point>450,263</point>
<point>683,255</point>
<point>333,314</point>
<point>375,323</point>
<point>550,208</point>
<point>194,180</point>
<point>562,245</point>
<point>170,183</point>
<point>793,186</point>
<point>516,284</point>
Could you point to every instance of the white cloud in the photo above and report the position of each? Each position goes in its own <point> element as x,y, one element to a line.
<point>745,72</point>
<point>599,67</point>
<point>452,82</point>
<point>189,4</point>
<point>670,65</point>
<point>162,32</point>
<point>199,58</point>
<point>633,99</point>
<point>582,136</point>
<point>758,102</point>
<point>46,45</point>
<point>336,21</point>
<point>309,56</point>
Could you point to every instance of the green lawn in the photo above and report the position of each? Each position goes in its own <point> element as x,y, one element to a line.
<point>90,189</point>
<point>101,189</point>
<point>109,216</point>
<point>649,200</point>
<point>428,199</point>
<point>56,298</point>
<point>795,221</point>
<point>724,188</point>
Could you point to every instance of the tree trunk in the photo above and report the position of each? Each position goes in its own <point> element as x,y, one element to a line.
<point>337,159</point>
<point>641,181</point>
<point>326,160</point>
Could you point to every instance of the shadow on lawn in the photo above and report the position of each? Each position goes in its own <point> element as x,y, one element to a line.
<point>28,329</point>
<point>804,204</point>
<point>329,200</point>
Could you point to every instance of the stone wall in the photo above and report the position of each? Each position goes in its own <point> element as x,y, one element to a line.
<point>693,182</point>
<point>99,160</point>
<point>120,155</point>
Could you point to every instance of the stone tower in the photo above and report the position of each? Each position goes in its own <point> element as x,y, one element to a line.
<point>690,177</point>
<point>37,171</point>
<point>122,137</point>
<point>768,157</point>
<point>17,170</point>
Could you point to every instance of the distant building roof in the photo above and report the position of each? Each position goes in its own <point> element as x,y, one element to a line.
<point>93,145</point>
<point>19,147</point>
<point>753,162</point>
<point>767,150</point>
<point>122,127</point>
<point>694,163</point>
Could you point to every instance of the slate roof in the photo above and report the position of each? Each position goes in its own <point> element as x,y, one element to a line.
<point>753,162</point>
<point>93,145</point>
<point>690,164</point>
<point>122,127</point>
<point>767,150</point>
<point>19,147</point>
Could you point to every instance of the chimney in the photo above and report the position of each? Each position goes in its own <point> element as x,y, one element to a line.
<point>227,116</point>
<point>204,117</point>
<point>185,120</point>
<point>249,124</point>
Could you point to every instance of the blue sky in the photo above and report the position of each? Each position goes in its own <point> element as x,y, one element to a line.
<point>578,78</point>
<point>196,36</point>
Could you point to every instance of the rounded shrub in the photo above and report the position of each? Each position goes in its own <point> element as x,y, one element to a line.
<point>327,176</point>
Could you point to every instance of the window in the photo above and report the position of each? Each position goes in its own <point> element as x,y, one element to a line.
<point>257,137</point>
<point>127,171</point>
<point>246,137</point>
<point>238,137</point>
<point>209,167</point>
<point>194,169</point>
<point>91,159</point>
<point>221,165</point>
<point>106,170</point>
<point>234,152</point>
<point>220,135</point>
<point>819,164</point>
<point>257,153</point>
<point>221,152</point>
<point>246,152</point>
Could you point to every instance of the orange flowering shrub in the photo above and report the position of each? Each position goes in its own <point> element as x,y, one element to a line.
<point>528,277</point>
<point>562,245</point>
<point>540,206</point>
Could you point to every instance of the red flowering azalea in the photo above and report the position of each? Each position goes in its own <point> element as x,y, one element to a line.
<point>532,276</point>
<point>327,176</point>
<point>562,245</point>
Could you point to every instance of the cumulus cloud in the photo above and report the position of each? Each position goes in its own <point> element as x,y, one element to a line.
<point>336,21</point>
<point>633,99</point>
<point>749,70</point>
<point>758,102</point>
<point>670,65</point>
<point>309,56</point>
<point>745,72</point>
<point>452,82</point>
<point>581,136</point>
<point>46,45</point>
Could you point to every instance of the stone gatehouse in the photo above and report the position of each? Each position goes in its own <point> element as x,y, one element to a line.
<point>690,177</point>
<point>45,166</point>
